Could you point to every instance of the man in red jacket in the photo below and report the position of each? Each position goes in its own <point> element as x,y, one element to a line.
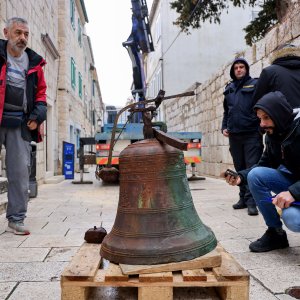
<point>22,109</point>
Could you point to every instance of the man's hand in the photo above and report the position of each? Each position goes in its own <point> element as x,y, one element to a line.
<point>32,125</point>
<point>225,132</point>
<point>231,179</point>
<point>283,200</point>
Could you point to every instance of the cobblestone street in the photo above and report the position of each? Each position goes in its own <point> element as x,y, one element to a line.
<point>30,266</point>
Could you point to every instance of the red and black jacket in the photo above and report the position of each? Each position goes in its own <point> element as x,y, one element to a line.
<point>35,88</point>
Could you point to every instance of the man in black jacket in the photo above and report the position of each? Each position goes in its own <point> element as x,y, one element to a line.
<point>278,171</point>
<point>282,75</point>
<point>241,126</point>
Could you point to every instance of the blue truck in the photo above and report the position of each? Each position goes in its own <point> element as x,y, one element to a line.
<point>133,132</point>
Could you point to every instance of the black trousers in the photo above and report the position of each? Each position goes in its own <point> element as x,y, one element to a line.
<point>246,150</point>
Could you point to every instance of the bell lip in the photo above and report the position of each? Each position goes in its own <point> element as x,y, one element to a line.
<point>160,258</point>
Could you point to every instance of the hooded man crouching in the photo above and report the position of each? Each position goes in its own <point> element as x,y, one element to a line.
<point>277,172</point>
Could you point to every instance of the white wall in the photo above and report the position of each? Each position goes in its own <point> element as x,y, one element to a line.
<point>194,57</point>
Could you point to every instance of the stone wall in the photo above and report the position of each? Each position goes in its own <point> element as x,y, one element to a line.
<point>204,111</point>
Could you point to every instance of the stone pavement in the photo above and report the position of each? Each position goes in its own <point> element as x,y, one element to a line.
<point>30,266</point>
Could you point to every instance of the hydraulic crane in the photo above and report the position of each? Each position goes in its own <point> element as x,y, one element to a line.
<point>138,43</point>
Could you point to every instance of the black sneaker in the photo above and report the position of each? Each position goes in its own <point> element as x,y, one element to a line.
<point>252,210</point>
<point>274,238</point>
<point>240,204</point>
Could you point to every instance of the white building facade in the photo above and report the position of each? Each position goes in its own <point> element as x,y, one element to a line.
<point>181,60</point>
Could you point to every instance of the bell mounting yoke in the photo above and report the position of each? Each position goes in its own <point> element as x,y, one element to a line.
<point>148,114</point>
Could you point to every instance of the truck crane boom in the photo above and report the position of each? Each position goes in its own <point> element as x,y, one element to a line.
<point>138,43</point>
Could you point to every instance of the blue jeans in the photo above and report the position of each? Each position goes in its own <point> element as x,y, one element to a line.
<point>262,181</point>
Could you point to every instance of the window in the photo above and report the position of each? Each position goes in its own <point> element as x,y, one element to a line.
<point>94,117</point>
<point>84,93</point>
<point>79,85</point>
<point>159,80</point>
<point>93,88</point>
<point>91,111</point>
<point>79,33</point>
<point>73,73</point>
<point>85,110</point>
<point>78,138</point>
<point>71,134</point>
<point>72,13</point>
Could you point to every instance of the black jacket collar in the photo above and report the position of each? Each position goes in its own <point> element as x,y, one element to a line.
<point>34,58</point>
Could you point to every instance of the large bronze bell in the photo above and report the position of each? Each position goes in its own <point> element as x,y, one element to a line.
<point>156,220</point>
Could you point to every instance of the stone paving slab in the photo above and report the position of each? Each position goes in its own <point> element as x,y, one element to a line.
<point>284,297</point>
<point>6,288</point>
<point>54,179</point>
<point>238,233</point>
<point>276,258</point>
<point>236,245</point>
<point>294,239</point>
<point>257,290</point>
<point>76,232</point>
<point>21,255</point>
<point>83,226</point>
<point>278,279</point>
<point>83,219</point>
<point>37,291</point>
<point>51,230</point>
<point>31,271</point>
<point>52,241</point>
<point>9,241</point>
<point>61,254</point>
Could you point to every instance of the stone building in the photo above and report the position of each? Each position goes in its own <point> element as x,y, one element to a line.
<point>57,32</point>
<point>78,89</point>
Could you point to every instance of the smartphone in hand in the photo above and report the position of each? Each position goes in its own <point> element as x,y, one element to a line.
<point>231,173</point>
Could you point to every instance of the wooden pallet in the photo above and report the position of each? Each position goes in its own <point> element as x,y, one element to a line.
<point>230,280</point>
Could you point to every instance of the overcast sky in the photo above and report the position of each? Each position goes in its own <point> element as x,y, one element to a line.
<point>110,25</point>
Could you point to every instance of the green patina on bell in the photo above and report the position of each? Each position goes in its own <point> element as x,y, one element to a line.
<point>156,220</point>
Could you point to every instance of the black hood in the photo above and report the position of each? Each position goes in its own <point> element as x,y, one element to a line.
<point>279,110</point>
<point>289,62</point>
<point>242,61</point>
<point>286,55</point>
